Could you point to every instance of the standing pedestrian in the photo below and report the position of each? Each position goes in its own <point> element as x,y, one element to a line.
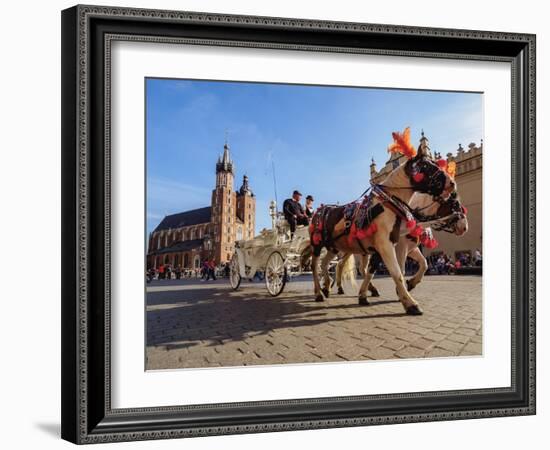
<point>211,270</point>
<point>309,207</point>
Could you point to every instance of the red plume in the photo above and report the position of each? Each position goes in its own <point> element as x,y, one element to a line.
<point>442,164</point>
<point>402,143</point>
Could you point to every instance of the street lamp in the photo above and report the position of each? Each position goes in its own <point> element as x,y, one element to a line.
<point>273,213</point>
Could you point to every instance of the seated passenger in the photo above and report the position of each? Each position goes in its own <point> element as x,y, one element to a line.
<point>294,213</point>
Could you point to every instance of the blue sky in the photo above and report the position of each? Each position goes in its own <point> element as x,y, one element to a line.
<point>320,138</point>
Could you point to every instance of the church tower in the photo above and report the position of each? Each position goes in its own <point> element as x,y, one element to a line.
<point>246,211</point>
<point>224,208</point>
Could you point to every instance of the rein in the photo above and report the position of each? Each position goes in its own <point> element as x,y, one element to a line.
<point>400,207</point>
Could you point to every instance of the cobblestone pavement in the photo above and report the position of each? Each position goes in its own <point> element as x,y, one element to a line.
<point>206,324</point>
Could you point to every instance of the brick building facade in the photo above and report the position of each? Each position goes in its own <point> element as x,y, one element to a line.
<point>186,239</point>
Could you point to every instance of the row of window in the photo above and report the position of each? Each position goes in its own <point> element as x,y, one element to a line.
<point>165,239</point>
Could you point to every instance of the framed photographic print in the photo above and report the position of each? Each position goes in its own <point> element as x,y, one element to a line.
<point>280,224</point>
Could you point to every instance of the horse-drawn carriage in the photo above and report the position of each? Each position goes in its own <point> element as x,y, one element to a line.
<point>375,225</point>
<point>273,255</point>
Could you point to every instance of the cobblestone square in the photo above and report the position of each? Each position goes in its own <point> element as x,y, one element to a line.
<point>192,323</point>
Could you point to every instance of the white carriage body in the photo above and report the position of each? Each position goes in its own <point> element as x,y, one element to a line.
<point>273,254</point>
<point>252,254</point>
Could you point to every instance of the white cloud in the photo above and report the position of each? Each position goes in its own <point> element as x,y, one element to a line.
<point>174,196</point>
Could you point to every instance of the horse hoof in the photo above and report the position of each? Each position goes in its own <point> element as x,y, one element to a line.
<point>341,291</point>
<point>319,298</point>
<point>410,285</point>
<point>414,310</point>
<point>326,292</point>
<point>374,292</point>
<point>363,301</point>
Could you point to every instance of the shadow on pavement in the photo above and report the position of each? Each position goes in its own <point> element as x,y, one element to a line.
<point>216,314</point>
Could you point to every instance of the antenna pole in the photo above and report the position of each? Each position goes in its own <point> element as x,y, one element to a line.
<point>274,181</point>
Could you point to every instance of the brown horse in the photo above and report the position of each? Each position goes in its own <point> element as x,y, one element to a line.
<point>330,229</point>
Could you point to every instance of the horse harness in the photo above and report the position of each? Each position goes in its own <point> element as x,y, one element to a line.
<point>358,219</point>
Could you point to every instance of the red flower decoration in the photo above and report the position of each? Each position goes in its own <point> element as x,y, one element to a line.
<point>418,177</point>
<point>441,163</point>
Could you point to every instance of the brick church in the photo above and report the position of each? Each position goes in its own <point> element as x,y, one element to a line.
<point>187,238</point>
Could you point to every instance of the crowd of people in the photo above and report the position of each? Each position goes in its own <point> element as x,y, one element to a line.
<point>208,270</point>
<point>443,264</point>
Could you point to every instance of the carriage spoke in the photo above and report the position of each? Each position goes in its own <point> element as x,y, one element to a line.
<point>275,278</point>
<point>234,272</point>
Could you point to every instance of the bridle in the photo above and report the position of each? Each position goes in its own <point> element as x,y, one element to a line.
<point>446,223</point>
<point>432,184</point>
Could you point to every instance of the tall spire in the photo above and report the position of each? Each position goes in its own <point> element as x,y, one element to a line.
<point>224,163</point>
<point>372,168</point>
<point>423,147</point>
<point>226,159</point>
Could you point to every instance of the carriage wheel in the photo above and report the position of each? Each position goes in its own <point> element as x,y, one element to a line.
<point>275,274</point>
<point>234,273</point>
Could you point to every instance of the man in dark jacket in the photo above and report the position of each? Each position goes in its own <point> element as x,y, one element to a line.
<point>294,213</point>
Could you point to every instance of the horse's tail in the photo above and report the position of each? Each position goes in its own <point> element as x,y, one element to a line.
<point>348,270</point>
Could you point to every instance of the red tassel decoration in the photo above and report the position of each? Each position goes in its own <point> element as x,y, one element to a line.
<point>411,223</point>
<point>361,234</point>
<point>316,238</point>
<point>431,243</point>
<point>352,233</point>
<point>418,177</point>
<point>417,231</point>
<point>372,228</point>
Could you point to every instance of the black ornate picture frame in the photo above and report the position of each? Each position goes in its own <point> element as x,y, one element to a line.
<point>87,34</point>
